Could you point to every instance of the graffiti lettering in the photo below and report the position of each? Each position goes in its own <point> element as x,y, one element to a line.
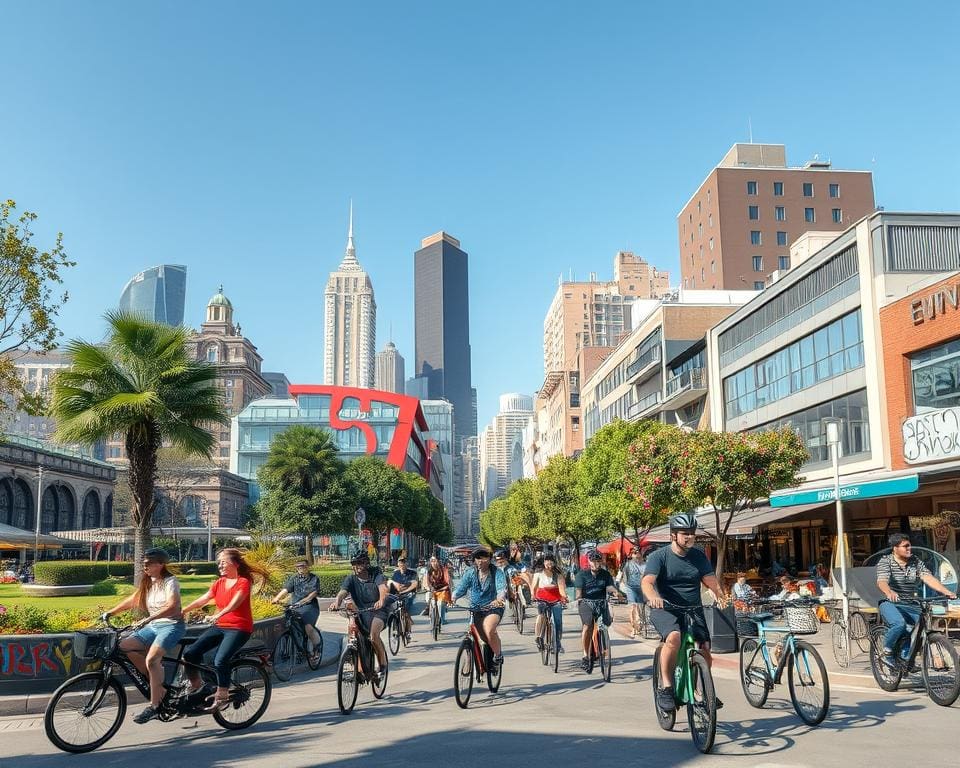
<point>932,436</point>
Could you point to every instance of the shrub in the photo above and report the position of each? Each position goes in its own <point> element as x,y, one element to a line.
<point>330,581</point>
<point>198,567</point>
<point>264,609</point>
<point>22,620</point>
<point>59,573</point>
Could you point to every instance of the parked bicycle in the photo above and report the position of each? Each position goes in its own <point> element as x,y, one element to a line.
<point>87,710</point>
<point>600,640</point>
<point>358,665</point>
<point>939,659</point>
<point>762,667</point>
<point>692,687</point>
<point>646,630</point>
<point>293,646</point>
<point>856,627</point>
<point>547,640</point>
<point>474,659</point>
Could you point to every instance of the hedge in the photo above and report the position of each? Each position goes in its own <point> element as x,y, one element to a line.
<point>199,567</point>
<point>330,581</point>
<point>60,573</point>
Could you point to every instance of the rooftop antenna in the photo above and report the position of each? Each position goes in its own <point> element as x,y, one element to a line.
<point>750,128</point>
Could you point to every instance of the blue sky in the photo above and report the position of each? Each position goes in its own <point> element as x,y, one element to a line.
<point>230,137</point>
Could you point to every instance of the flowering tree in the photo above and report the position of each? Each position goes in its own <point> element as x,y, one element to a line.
<point>656,477</point>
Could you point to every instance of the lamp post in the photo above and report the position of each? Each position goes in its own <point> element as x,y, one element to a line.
<point>833,440</point>
<point>206,511</point>
<point>36,533</point>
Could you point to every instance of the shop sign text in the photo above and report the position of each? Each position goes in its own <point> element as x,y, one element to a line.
<point>926,309</point>
<point>932,436</point>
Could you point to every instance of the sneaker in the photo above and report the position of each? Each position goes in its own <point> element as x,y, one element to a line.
<point>888,660</point>
<point>585,664</point>
<point>202,693</point>
<point>497,664</point>
<point>633,634</point>
<point>146,716</point>
<point>665,700</point>
<point>539,643</point>
<point>559,648</point>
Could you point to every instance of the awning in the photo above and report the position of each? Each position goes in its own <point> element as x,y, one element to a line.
<point>126,535</point>
<point>20,538</point>
<point>744,524</point>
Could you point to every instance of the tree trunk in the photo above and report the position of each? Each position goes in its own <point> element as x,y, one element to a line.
<point>308,545</point>
<point>142,455</point>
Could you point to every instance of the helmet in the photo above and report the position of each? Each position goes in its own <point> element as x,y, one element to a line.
<point>500,553</point>
<point>595,555</point>
<point>686,521</point>
<point>157,555</point>
<point>360,557</point>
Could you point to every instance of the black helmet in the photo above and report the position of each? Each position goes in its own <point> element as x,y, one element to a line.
<point>595,554</point>
<point>157,555</point>
<point>360,557</point>
<point>686,521</point>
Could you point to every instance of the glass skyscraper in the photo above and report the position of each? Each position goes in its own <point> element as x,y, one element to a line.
<point>158,293</point>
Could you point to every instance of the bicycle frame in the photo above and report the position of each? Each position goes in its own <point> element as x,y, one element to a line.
<point>683,680</point>
<point>597,606</point>
<point>919,631</point>
<point>298,629</point>
<point>363,646</point>
<point>789,649</point>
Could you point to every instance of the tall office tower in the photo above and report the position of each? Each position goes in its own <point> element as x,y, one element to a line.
<point>501,459</point>
<point>469,502</point>
<point>390,371</point>
<point>442,327</point>
<point>737,228</point>
<point>157,294</point>
<point>439,416</point>
<point>350,323</point>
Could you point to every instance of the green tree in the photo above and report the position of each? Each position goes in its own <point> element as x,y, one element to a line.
<point>380,489</point>
<point>656,477</point>
<point>729,472</point>
<point>303,486</point>
<point>28,304</point>
<point>563,511</point>
<point>139,383</point>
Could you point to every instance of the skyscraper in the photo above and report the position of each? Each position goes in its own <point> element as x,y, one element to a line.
<point>350,323</point>
<point>390,370</point>
<point>158,294</point>
<point>501,454</point>
<point>442,327</point>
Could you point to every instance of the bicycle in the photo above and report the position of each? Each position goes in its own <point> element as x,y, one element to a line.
<point>858,631</point>
<point>292,646</point>
<point>519,603</point>
<point>692,686</point>
<point>357,665</point>
<point>397,626</point>
<point>645,629</point>
<point>474,657</point>
<point>600,640</point>
<point>759,673</point>
<point>86,711</point>
<point>433,609</point>
<point>547,639</point>
<point>939,665</point>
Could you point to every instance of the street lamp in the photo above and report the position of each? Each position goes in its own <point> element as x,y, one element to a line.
<point>833,440</point>
<point>206,511</point>
<point>36,533</point>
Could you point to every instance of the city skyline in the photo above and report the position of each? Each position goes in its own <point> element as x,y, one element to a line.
<point>188,151</point>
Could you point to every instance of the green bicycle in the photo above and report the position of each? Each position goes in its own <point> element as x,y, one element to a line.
<point>693,686</point>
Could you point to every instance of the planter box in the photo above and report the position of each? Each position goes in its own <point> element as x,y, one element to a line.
<point>722,624</point>
<point>45,590</point>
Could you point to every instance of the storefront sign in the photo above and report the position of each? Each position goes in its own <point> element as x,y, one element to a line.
<point>868,490</point>
<point>932,436</point>
<point>926,309</point>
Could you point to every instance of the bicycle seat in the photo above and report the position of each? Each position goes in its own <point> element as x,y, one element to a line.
<point>252,650</point>
<point>759,618</point>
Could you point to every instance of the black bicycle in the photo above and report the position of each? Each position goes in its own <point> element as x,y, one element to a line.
<point>474,657</point>
<point>86,711</point>
<point>600,640</point>
<point>547,640</point>
<point>293,646</point>
<point>358,665</point>
<point>939,656</point>
<point>397,626</point>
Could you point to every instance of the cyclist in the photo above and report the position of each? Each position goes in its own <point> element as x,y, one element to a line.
<point>898,576</point>
<point>487,587</point>
<point>631,577</point>
<point>675,573</point>
<point>439,581</point>
<point>549,588</point>
<point>158,596</point>
<point>593,583</point>
<point>403,584</point>
<point>303,588</point>
<point>233,622</point>
<point>367,588</point>
<point>514,573</point>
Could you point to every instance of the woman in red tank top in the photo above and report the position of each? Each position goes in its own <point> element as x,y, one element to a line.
<point>549,587</point>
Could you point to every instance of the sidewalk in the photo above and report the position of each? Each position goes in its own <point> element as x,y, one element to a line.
<point>35,703</point>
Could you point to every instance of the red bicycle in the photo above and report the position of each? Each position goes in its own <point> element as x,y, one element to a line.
<point>474,658</point>
<point>358,664</point>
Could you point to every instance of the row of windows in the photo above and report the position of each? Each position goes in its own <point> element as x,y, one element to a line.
<point>827,352</point>
<point>936,377</point>
<point>780,214</point>
<point>783,262</point>
<point>833,190</point>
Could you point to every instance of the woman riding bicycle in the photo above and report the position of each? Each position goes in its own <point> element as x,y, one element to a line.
<point>549,590</point>
<point>158,596</point>
<point>439,582</point>
<point>233,622</point>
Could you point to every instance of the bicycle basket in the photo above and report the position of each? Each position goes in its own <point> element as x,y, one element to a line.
<point>746,627</point>
<point>93,644</point>
<point>801,620</point>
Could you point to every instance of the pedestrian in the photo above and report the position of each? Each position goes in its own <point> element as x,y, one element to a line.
<point>629,581</point>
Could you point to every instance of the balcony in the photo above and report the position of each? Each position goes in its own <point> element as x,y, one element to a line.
<point>641,368</point>
<point>683,389</point>
<point>643,408</point>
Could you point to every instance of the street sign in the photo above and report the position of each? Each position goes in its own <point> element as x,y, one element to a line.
<point>360,516</point>
<point>850,492</point>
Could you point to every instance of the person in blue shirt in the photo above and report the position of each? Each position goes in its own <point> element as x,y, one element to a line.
<point>486,586</point>
<point>403,584</point>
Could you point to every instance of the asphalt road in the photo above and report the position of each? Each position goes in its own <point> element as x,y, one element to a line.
<point>537,718</point>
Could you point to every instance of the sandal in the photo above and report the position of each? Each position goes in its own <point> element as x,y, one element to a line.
<point>218,703</point>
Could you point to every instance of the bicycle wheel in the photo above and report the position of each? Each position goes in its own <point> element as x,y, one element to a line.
<point>314,659</point>
<point>808,682</point>
<point>753,673</point>
<point>859,631</point>
<point>348,680</point>
<point>463,674</point>
<point>283,657</point>
<point>702,711</point>
<point>523,616</point>
<point>888,679</point>
<point>435,619</point>
<point>839,639</point>
<point>606,655</point>
<point>84,713</point>
<point>250,690</point>
<point>402,624</point>
<point>493,680</point>
<point>555,642</point>
<point>666,719</point>
<point>547,638</point>
<point>378,683</point>
<point>940,674</point>
<point>393,633</point>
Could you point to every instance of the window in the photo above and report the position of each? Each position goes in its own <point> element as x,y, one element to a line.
<point>702,275</point>
<point>755,237</point>
<point>808,189</point>
<point>713,267</point>
<point>837,216</point>
<point>700,229</point>
<point>936,377</point>
<point>781,213</point>
<point>211,354</point>
<point>809,215</point>
<point>758,285</point>
<point>758,263</point>
<point>783,262</point>
<point>753,212</point>
<point>708,195</point>
<point>834,190</point>
<point>710,220</point>
<point>781,238</point>
<point>751,187</point>
<point>711,243</point>
<point>778,189</point>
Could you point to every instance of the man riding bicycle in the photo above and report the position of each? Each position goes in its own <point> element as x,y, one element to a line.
<point>592,584</point>
<point>898,576</point>
<point>403,584</point>
<point>303,588</point>
<point>675,574</point>
<point>513,571</point>
<point>487,587</point>
<point>367,588</point>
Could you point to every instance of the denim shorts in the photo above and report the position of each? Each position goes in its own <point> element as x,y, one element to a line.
<point>634,595</point>
<point>164,635</point>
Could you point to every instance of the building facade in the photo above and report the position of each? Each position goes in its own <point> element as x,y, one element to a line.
<point>350,323</point>
<point>470,503</point>
<point>35,370</point>
<point>390,373</point>
<point>737,228</point>
<point>159,294</point>
<point>501,459</point>
<point>439,416</point>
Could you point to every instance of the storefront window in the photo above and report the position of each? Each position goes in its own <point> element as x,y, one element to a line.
<point>936,377</point>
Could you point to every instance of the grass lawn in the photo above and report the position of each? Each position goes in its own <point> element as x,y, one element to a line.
<point>191,587</point>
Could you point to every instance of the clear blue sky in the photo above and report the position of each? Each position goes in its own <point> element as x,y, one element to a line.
<point>545,136</point>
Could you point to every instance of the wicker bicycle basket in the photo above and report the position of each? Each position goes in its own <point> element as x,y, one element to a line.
<point>801,620</point>
<point>92,644</point>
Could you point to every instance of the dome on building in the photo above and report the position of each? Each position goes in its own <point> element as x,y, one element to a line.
<point>219,300</point>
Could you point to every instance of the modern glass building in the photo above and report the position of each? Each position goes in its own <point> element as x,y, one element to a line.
<point>158,293</point>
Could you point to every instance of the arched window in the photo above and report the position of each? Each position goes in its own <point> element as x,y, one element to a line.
<point>6,503</point>
<point>191,509</point>
<point>66,510</point>
<point>212,354</point>
<point>22,506</point>
<point>91,510</point>
<point>107,520</point>
<point>48,514</point>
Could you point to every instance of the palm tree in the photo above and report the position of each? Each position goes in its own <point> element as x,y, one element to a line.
<point>139,383</point>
